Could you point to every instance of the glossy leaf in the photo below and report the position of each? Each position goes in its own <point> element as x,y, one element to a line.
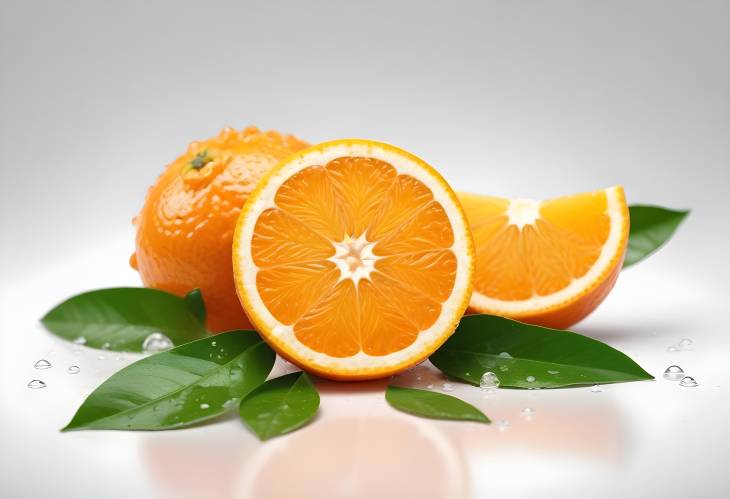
<point>434,405</point>
<point>121,318</point>
<point>196,305</point>
<point>188,384</point>
<point>280,405</point>
<point>518,352</point>
<point>651,227</point>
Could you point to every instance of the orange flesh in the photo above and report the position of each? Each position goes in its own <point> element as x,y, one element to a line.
<point>541,258</point>
<point>345,200</point>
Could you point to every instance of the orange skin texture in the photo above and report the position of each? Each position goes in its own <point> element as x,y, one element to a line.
<point>185,228</point>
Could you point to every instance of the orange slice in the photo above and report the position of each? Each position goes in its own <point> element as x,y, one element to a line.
<point>549,263</point>
<point>353,259</point>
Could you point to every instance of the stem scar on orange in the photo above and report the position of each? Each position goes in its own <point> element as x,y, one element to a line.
<point>353,259</point>
<point>185,228</point>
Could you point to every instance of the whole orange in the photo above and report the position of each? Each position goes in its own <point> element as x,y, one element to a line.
<point>185,228</point>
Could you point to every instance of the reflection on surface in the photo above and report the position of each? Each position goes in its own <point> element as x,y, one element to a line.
<point>379,457</point>
<point>359,447</point>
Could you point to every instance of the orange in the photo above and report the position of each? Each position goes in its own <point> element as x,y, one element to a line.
<point>185,228</point>
<point>353,259</point>
<point>549,263</point>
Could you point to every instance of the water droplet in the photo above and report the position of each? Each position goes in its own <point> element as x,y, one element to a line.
<point>685,344</point>
<point>213,343</point>
<point>596,389</point>
<point>419,378</point>
<point>156,342</point>
<point>467,374</point>
<point>80,341</point>
<point>36,383</point>
<point>673,348</point>
<point>73,369</point>
<point>553,372</point>
<point>447,387</point>
<point>530,379</point>
<point>204,406</point>
<point>673,373</point>
<point>106,346</point>
<point>502,425</point>
<point>504,369</point>
<point>527,413</point>
<point>489,381</point>
<point>688,381</point>
<point>42,364</point>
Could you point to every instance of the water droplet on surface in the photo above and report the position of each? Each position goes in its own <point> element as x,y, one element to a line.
<point>504,369</point>
<point>156,342</point>
<point>527,413</point>
<point>213,343</point>
<point>596,389</point>
<point>553,372</point>
<point>689,382</point>
<point>36,383</point>
<point>530,379</point>
<point>673,348</point>
<point>489,381</point>
<point>42,364</point>
<point>419,378</point>
<point>685,344</point>
<point>505,355</point>
<point>73,369</point>
<point>447,387</point>
<point>204,406</point>
<point>80,341</point>
<point>502,425</point>
<point>673,373</point>
<point>467,374</point>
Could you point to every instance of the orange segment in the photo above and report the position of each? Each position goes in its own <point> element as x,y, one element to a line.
<point>280,239</point>
<point>551,262</point>
<point>353,259</point>
<point>332,326</point>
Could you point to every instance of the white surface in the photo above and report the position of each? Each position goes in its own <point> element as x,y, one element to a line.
<point>508,98</point>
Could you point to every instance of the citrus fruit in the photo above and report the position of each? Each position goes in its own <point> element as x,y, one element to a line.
<point>549,263</point>
<point>185,228</point>
<point>353,259</point>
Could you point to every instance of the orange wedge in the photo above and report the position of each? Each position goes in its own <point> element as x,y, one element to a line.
<point>353,259</point>
<point>549,263</point>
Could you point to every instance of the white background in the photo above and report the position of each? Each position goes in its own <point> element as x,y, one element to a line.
<point>529,99</point>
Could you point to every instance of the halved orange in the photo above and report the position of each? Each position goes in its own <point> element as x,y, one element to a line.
<point>549,263</point>
<point>353,259</point>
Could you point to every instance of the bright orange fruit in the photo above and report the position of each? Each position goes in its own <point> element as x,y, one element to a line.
<point>353,259</point>
<point>185,228</point>
<point>549,263</point>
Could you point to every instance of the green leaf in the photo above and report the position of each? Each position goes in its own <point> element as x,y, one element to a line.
<point>518,352</point>
<point>432,404</point>
<point>188,384</point>
<point>196,305</point>
<point>280,405</point>
<point>651,227</point>
<point>121,318</point>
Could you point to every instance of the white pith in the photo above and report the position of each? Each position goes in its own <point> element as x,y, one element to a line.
<point>354,258</point>
<point>614,210</point>
<point>521,212</point>
<point>283,335</point>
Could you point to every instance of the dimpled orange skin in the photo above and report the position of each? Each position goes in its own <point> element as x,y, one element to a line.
<point>185,228</point>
